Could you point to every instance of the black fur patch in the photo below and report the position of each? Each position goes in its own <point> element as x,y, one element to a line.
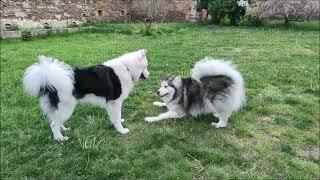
<point>216,85</point>
<point>99,80</point>
<point>52,95</point>
<point>194,93</point>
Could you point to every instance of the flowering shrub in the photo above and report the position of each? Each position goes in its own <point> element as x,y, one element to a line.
<point>243,4</point>
<point>233,9</point>
<point>287,10</point>
<point>250,20</point>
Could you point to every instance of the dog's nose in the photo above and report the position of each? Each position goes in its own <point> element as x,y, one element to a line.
<point>158,92</point>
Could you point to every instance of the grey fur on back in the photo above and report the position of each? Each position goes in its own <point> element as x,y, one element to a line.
<point>191,94</point>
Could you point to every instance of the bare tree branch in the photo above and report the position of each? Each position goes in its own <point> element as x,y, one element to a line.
<point>286,9</point>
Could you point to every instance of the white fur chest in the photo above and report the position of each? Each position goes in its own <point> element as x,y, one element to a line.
<point>172,106</point>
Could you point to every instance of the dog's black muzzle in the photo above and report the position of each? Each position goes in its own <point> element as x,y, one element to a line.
<point>142,76</point>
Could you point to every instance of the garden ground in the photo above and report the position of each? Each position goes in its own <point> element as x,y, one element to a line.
<point>275,136</point>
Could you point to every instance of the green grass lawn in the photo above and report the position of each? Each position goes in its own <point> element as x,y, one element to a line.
<point>275,136</point>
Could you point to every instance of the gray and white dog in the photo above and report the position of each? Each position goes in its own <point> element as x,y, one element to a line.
<point>215,86</point>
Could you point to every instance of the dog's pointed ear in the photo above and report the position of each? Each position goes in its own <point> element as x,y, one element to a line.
<point>177,81</point>
<point>143,52</point>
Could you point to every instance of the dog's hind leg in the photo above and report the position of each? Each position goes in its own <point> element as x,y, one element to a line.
<point>223,120</point>
<point>56,130</point>
<point>114,111</point>
<point>59,117</point>
<point>223,111</point>
<point>56,123</point>
<point>67,110</point>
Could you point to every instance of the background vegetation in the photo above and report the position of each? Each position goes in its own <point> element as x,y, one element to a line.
<point>248,12</point>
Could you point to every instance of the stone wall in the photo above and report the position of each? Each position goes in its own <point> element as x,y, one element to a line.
<point>59,13</point>
<point>167,10</point>
<point>62,13</point>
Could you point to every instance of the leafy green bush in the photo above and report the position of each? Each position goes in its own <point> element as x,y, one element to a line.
<point>224,21</point>
<point>250,20</point>
<point>202,4</point>
<point>26,35</point>
<point>232,9</point>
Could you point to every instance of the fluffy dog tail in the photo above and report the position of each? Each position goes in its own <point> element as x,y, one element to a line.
<point>211,67</point>
<point>48,74</point>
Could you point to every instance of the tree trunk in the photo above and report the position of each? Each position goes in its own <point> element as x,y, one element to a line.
<point>286,21</point>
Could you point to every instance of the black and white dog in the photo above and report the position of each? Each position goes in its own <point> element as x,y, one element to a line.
<point>215,87</point>
<point>60,87</point>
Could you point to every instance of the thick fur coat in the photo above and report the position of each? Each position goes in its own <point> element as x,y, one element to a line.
<point>215,87</point>
<point>60,87</point>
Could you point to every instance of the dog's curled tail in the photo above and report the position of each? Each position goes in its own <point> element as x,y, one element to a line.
<point>50,74</point>
<point>211,67</point>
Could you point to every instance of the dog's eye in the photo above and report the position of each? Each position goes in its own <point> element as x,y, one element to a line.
<point>165,86</point>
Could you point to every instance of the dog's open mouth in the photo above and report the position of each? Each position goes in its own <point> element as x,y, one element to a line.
<point>164,95</point>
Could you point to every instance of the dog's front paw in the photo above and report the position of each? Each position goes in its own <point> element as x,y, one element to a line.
<point>123,130</point>
<point>122,120</point>
<point>218,125</point>
<point>160,104</point>
<point>65,129</point>
<point>61,138</point>
<point>150,119</point>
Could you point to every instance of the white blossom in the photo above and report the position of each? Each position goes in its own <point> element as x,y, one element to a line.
<point>243,3</point>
